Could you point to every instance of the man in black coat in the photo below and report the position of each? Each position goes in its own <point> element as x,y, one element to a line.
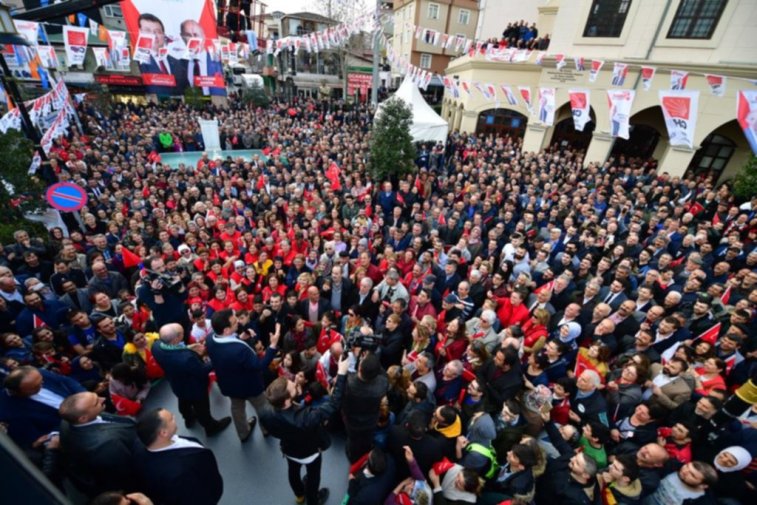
<point>300,430</point>
<point>360,409</point>
<point>174,470</point>
<point>188,375</point>
<point>96,448</point>
<point>501,379</point>
<point>569,478</point>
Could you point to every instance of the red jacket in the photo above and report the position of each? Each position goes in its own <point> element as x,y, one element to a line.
<point>510,314</point>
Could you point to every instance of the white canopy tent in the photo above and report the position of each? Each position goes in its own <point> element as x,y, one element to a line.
<point>427,124</point>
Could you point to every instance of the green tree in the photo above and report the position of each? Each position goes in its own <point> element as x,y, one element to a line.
<point>745,182</point>
<point>255,96</point>
<point>19,193</point>
<point>194,98</point>
<point>392,148</point>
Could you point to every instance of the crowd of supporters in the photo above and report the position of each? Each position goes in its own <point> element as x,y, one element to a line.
<point>513,325</point>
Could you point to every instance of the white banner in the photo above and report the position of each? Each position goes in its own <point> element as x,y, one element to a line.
<point>746,115</point>
<point>210,136</point>
<point>547,106</point>
<point>647,74</point>
<point>28,29</point>
<point>144,48</point>
<point>680,111</point>
<point>716,83</point>
<point>621,101</point>
<point>525,93</point>
<point>579,105</point>
<point>75,41</point>
<point>678,79</point>
<point>619,74</point>
<point>120,54</point>
<point>596,66</point>
<point>102,57</point>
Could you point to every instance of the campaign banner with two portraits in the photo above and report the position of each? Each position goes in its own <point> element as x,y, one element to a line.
<point>176,45</point>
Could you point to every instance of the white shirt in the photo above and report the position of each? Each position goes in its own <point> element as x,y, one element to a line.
<point>178,442</point>
<point>47,397</point>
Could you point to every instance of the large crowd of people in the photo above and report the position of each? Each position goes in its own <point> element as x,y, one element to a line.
<point>497,326</point>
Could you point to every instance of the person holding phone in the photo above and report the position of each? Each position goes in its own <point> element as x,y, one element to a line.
<point>300,430</point>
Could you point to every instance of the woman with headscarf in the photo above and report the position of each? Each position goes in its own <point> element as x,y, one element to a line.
<point>732,482</point>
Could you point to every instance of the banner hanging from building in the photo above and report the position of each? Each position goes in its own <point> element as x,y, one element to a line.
<point>168,67</point>
<point>75,41</point>
<point>746,115</point>
<point>118,45</point>
<point>547,106</point>
<point>620,101</point>
<point>579,105</point>
<point>525,93</point>
<point>680,111</point>
<point>716,83</point>
<point>647,75</point>
<point>619,74</point>
<point>678,80</point>
<point>596,66</point>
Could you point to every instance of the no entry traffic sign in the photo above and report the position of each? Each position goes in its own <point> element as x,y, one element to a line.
<point>66,196</point>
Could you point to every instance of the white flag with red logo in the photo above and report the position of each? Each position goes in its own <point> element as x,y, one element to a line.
<point>620,102</point>
<point>579,105</point>
<point>596,66</point>
<point>680,111</point>
<point>647,74</point>
<point>525,93</point>
<point>716,83</point>
<point>678,80</point>
<point>560,61</point>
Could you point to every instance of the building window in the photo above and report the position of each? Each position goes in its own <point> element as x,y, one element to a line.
<point>696,19</point>
<point>425,60</point>
<point>463,17</point>
<point>112,11</point>
<point>606,18</point>
<point>712,157</point>
<point>433,11</point>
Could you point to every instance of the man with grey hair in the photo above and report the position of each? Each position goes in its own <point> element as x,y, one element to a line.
<point>188,375</point>
<point>390,289</point>
<point>482,328</point>
<point>589,404</point>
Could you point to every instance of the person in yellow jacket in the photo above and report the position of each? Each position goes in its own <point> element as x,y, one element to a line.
<point>137,352</point>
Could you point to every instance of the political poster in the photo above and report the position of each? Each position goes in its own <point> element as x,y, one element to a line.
<point>170,66</point>
<point>579,106</point>
<point>120,55</point>
<point>619,74</point>
<point>75,42</point>
<point>525,93</point>
<point>716,83</point>
<point>509,96</point>
<point>596,66</point>
<point>547,106</point>
<point>679,108</point>
<point>620,102</point>
<point>678,80</point>
<point>746,115</point>
<point>647,75</point>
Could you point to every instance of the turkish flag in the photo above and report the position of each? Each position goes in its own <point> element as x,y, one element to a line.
<point>710,335</point>
<point>130,259</point>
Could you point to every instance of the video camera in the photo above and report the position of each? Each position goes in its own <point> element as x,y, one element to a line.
<point>168,281</point>
<point>356,338</point>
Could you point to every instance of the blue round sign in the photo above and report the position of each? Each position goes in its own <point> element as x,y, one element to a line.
<point>66,196</point>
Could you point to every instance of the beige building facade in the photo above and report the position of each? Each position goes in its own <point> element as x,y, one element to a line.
<point>453,17</point>
<point>697,36</point>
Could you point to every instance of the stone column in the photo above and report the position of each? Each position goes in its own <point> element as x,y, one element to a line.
<point>534,138</point>
<point>676,159</point>
<point>599,148</point>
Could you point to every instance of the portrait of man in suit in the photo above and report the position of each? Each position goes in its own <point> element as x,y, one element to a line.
<point>159,64</point>
<point>200,63</point>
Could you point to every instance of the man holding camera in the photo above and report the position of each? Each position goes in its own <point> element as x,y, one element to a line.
<point>164,295</point>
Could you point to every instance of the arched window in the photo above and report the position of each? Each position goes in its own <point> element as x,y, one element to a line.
<point>712,157</point>
<point>502,121</point>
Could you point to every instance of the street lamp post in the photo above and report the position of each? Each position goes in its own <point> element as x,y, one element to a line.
<point>9,35</point>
